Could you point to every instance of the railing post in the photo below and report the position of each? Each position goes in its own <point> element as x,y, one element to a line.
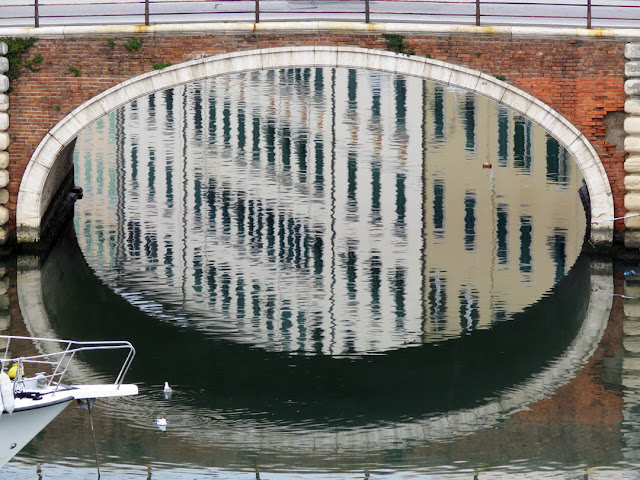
<point>588,13</point>
<point>367,18</point>
<point>477,13</point>
<point>257,11</point>
<point>36,14</point>
<point>146,12</point>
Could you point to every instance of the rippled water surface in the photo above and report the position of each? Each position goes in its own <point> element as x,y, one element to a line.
<point>343,273</point>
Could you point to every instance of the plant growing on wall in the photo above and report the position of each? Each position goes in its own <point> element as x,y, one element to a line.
<point>75,71</point>
<point>133,44</point>
<point>161,66</point>
<point>395,43</point>
<point>32,64</point>
<point>17,48</point>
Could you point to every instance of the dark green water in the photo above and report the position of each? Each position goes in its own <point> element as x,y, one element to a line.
<point>335,287</point>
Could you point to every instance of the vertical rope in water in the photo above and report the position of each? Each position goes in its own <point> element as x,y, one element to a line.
<point>93,434</point>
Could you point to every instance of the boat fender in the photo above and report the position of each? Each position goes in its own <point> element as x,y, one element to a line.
<point>6,392</point>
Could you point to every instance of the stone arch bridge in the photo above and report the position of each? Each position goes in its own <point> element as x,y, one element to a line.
<point>578,84</point>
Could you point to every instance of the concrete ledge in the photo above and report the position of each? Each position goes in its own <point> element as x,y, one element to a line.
<point>222,28</point>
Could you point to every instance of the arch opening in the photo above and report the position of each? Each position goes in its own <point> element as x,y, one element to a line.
<point>44,173</point>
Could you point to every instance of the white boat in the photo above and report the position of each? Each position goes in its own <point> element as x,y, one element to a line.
<point>39,388</point>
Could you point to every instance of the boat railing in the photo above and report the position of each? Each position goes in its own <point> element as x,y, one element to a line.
<point>56,358</point>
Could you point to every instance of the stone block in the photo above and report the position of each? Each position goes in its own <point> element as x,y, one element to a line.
<point>632,51</point>
<point>631,201</point>
<point>4,141</point>
<point>4,64</point>
<point>4,196</point>
<point>4,121</point>
<point>4,102</point>
<point>632,289</point>
<point>631,363</point>
<point>4,83</point>
<point>632,69</point>
<point>631,344</point>
<point>631,308</point>
<point>632,239</point>
<point>632,86</point>
<point>4,178</point>
<point>632,105</point>
<point>4,235</point>
<point>632,223</point>
<point>632,182</point>
<point>631,326</point>
<point>632,164</point>
<point>632,125</point>
<point>4,215</point>
<point>4,160</point>
<point>4,49</point>
<point>632,144</point>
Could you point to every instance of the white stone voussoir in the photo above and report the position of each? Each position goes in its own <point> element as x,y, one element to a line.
<point>4,64</point>
<point>29,209</point>
<point>4,48</point>
<point>4,83</point>
<point>4,159</point>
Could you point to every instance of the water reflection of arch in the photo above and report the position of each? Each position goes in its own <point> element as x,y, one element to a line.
<point>47,311</point>
<point>284,205</point>
<point>36,189</point>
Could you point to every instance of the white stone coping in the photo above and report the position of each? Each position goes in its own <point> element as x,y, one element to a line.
<point>31,208</point>
<point>222,28</point>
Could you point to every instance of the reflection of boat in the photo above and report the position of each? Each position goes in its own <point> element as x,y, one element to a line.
<point>38,394</point>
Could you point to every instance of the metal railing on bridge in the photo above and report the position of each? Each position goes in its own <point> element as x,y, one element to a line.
<point>547,13</point>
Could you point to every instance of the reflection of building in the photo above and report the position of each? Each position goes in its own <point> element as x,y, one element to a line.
<point>329,211</point>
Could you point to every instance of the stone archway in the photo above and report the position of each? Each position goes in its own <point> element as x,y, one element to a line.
<point>41,179</point>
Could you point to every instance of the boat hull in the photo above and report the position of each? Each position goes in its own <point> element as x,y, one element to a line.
<point>17,429</point>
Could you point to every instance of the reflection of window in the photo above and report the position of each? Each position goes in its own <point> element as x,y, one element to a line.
<point>556,161</point>
<point>438,113</point>
<point>401,102</point>
<point>502,234</point>
<point>503,137</point>
<point>470,122</point>
<point>438,302</point>
<point>375,281</point>
<point>469,221</point>
<point>558,249</point>
<point>525,243</point>
<point>401,198</point>
<point>522,145</point>
<point>438,208</point>
<point>469,313</point>
<point>352,172</point>
<point>398,287</point>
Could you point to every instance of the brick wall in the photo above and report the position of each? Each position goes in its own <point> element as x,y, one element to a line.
<point>583,80</point>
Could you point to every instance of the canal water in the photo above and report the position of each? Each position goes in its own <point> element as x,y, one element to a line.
<point>343,274</point>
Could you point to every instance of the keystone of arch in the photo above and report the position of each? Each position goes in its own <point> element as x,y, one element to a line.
<point>37,189</point>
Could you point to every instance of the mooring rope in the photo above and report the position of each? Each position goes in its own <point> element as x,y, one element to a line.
<point>614,219</point>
